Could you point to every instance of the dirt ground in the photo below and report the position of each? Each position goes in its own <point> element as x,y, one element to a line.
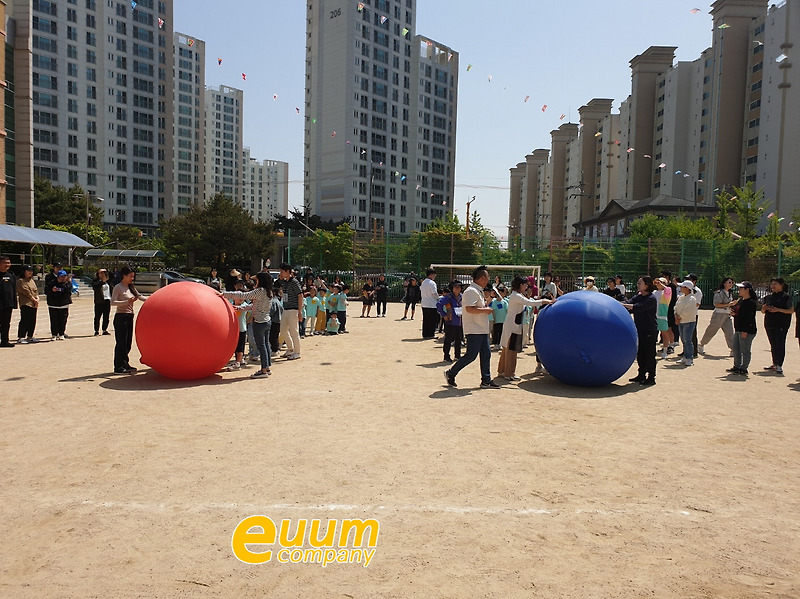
<point>132,486</point>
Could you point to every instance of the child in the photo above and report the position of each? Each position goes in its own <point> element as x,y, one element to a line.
<point>311,305</point>
<point>341,308</point>
<point>499,306</point>
<point>322,312</point>
<point>241,308</point>
<point>333,300</point>
<point>449,308</point>
<point>333,325</point>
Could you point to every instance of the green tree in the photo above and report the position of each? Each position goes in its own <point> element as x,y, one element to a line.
<point>125,237</point>
<point>298,221</point>
<point>61,206</point>
<point>329,250</point>
<point>723,219</point>
<point>217,233</point>
<point>749,204</point>
<point>651,226</point>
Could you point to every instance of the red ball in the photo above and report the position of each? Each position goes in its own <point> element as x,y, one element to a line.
<point>186,331</point>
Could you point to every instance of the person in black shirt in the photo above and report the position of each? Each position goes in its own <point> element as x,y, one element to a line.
<point>381,294</point>
<point>367,297</point>
<point>744,327</point>
<point>644,307</point>
<point>777,309</point>
<point>612,290</point>
<point>8,300</point>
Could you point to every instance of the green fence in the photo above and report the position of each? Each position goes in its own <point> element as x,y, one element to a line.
<point>572,260</point>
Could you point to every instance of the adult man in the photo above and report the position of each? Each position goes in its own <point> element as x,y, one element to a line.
<point>475,322</point>
<point>8,299</point>
<point>290,322</point>
<point>430,295</point>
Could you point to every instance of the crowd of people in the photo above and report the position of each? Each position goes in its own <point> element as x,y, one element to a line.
<point>275,315</point>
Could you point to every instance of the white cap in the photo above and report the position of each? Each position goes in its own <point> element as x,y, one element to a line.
<point>688,284</point>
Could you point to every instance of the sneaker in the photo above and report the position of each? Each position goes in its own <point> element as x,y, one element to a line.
<point>33,340</point>
<point>448,359</point>
<point>664,355</point>
<point>689,362</point>
<point>54,338</point>
<point>286,354</point>
<point>61,337</point>
<point>120,371</point>
<point>7,344</point>
<point>648,382</point>
<point>451,380</point>
<point>489,385</point>
<point>670,350</point>
<point>701,349</point>
<point>682,361</point>
<point>97,333</point>
<point>637,379</point>
<point>131,369</point>
<point>779,369</point>
<point>260,374</point>
<point>770,367</point>
<point>106,333</point>
<point>293,357</point>
<point>22,341</point>
<point>234,366</point>
<point>734,370</point>
<point>513,378</point>
<point>243,364</point>
<point>403,318</point>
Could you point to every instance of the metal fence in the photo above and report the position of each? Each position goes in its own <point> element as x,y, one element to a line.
<point>570,259</point>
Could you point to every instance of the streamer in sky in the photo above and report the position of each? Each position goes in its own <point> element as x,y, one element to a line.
<point>724,26</point>
<point>648,156</point>
<point>781,58</point>
<point>297,109</point>
<point>383,19</point>
<point>219,61</point>
<point>694,11</point>
<point>191,42</point>
<point>360,6</point>
<point>770,215</point>
<point>629,150</point>
<point>490,78</point>
<point>544,108</point>
<point>333,134</point>
<point>526,98</point>
<point>562,117</point>
<point>662,165</point>
<point>244,76</point>
<point>469,66</point>
<point>314,121</point>
<point>161,23</point>
<point>274,97</point>
<point>598,134</point>
<point>405,30</point>
<point>133,5</point>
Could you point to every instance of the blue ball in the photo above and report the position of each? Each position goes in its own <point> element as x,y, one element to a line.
<point>586,338</point>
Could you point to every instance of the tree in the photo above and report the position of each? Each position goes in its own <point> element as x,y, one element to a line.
<point>220,232</point>
<point>748,204</point>
<point>298,221</point>
<point>330,250</point>
<point>61,206</point>
<point>652,226</point>
<point>125,237</point>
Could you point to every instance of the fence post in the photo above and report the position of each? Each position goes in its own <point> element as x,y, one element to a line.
<point>386,258</point>
<point>583,259</point>
<point>649,244</point>
<point>354,255</point>
<point>780,257</point>
<point>616,256</point>
<point>714,260</point>
<point>289,246</point>
<point>419,252</point>
<point>321,243</point>
<point>550,266</point>
<point>680,270</point>
<point>483,248</point>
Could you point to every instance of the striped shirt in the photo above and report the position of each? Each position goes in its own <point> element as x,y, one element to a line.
<point>291,292</point>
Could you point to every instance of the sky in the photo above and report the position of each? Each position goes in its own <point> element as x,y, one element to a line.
<point>561,54</point>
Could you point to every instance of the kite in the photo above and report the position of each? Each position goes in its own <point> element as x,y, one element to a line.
<point>360,6</point>
<point>348,142</point>
<point>417,187</point>
<point>333,134</point>
<point>449,56</point>
<point>694,11</point>
<point>677,172</point>
<point>133,5</point>
<point>598,134</point>
<point>383,19</point>
<point>780,219</point>
<point>662,165</point>
<point>757,43</point>
<point>526,98</point>
<point>396,174</point>
<point>405,30</point>
<point>724,26</point>
<point>160,23</point>
<point>629,150</point>
<point>431,195</point>
<point>403,178</point>
<point>490,78</point>
<point>191,42</point>
<point>274,97</point>
<point>616,141</point>
<point>219,61</point>
<point>244,76</point>
<point>648,156</point>
<point>544,108</point>
<point>561,118</point>
<point>687,175</point>
<point>314,121</point>
<point>297,109</point>
<point>444,203</point>
<point>770,215</point>
<point>469,66</point>
<point>363,152</point>
<point>781,58</point>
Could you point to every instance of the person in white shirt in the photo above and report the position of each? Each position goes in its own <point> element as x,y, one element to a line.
<point>686,317</point>
<point>698,297</point>
<point>430,295</point>
<point>475,322</point>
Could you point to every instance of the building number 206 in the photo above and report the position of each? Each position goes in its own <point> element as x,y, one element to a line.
<point>336,13</point>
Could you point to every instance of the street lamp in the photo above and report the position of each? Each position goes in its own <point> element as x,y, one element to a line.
<point>89,198</point>
<point>469,203</point>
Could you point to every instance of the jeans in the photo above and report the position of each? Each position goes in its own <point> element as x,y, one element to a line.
<point>777,344</point>
<point>252,350</point>
<point>477,345</point>
<point>102,311</point>
<point>123,334</point>
<point>452,337</point>
<point>687,330</point>
<point>27,322</point>
<point>741,349</point>
<point>381,302</point>
<point>261,334</point>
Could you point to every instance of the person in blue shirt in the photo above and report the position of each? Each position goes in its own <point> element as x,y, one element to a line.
<point>449,308</point>
<point>499,306</point>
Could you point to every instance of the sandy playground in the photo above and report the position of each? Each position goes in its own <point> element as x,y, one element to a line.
<point>132,486</point>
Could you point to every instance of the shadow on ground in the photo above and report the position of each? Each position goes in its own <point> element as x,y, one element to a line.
<point>149,380</point>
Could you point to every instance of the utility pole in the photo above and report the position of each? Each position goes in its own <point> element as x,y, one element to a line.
<point>469,202</point>
<point>371,181</point>
<point>580,197</point>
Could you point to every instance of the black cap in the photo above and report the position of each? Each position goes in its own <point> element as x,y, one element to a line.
<point>27,267</point>
<point>691,276</point>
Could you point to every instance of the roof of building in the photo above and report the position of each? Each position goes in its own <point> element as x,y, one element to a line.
<point>125,254</point>
<point>659,203</point>
<point>16,234</point>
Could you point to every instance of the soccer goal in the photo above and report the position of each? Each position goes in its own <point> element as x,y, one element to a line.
<point>506,272</point>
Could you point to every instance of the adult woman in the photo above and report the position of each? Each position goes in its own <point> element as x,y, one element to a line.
<point>28,298</point>
<point>644,307</point>
<point>102,300</point>
<point>663,295</point>
<point>412,298</point>
<point>721,318</point>
<point>381,294</point>
<point>777,309</point>
<point>513,334</point>
<point>619,284</point>
<point>213,280</point>
<point>367,297</point>
<point>261,297</point>
<point>123,297</point>
<point>744,326</point>
<point>59,297</point>
<point>686,318</point>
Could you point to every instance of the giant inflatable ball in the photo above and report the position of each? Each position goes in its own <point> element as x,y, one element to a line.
<point>585,338</point>
<point>186,331</point>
